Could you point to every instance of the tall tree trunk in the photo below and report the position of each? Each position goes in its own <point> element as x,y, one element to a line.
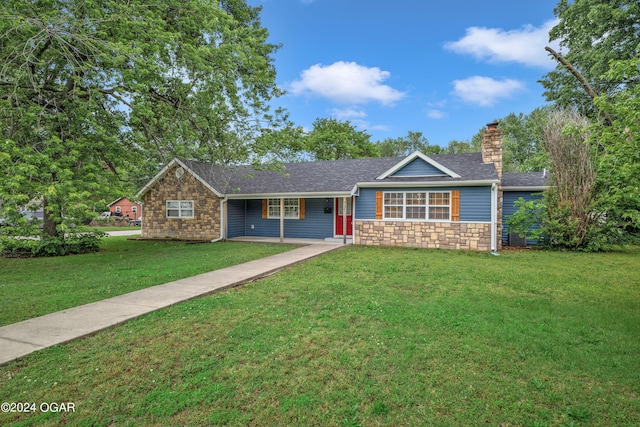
<point>49,224</point>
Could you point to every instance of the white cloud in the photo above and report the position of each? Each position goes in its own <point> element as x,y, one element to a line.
<point>348,83</point>
<point>354,116</point>
<point>524,46</point>
<point>357,118</point>
<point>347,113</point>
<point>378,127</point>
<point>485,91</point>
<point>436,114</point>
<point>438,104</point>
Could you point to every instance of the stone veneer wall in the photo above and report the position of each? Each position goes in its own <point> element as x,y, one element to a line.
<point>443,235</point>
<point>205,225</point>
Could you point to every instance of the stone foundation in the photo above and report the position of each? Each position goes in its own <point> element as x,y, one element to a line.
<point>443,235</point>
<point>205,224</point>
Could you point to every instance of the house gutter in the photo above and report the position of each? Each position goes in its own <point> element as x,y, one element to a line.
<point>311,195</point>
<point>494,217</point>
<point>223,221</point>
<point>524,188</point>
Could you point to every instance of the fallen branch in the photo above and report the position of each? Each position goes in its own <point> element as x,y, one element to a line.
<point>585,84</point>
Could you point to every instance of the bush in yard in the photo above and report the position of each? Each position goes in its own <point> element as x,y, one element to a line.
<point>69,244</point>
<point>526,220</point>
<point>16,248</point>
<point>558,229</point>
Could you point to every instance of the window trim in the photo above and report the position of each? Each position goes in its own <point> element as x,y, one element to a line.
<point>426,205</point>
<point>274,203</point>
<point>180,209</point>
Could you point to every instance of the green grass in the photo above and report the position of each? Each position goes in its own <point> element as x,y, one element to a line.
<point>37,286</point>
<point>366,337</point>
<point>116,228</point>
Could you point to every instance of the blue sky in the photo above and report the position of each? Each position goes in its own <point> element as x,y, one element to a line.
<point>443,68</point>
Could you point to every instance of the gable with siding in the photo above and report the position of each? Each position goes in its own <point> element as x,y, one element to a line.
<point>417,168</point>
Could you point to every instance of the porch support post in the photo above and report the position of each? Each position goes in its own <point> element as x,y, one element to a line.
<point>224,223</point>
<point>494,217</point>
<point>281,219</point>
<point>344,220</point>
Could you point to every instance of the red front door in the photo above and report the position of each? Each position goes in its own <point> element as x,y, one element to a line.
<point>340,211</point>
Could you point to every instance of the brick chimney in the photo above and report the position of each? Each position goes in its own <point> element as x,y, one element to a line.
<point>492,147</point>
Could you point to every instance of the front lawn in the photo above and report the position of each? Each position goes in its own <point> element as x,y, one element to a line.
<point>106,228</point>
<point>366,336</point>
<point>37,286</point>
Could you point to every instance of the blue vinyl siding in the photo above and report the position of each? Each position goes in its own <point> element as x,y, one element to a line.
<point>366,204</point>
<point>475,202</point>
<point>418,167</point>
<point>315,225</point>
<point>235,218</point>
<point>508,209</point>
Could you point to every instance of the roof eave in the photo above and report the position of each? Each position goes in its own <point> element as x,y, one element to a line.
<point>309,195</point>
<point>115,201</point>
<point>411,184</point>
<point>525,188</point>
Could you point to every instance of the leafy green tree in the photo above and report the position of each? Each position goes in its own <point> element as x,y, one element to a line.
<point>455,147</point>
<point>391,147</point>
<point>598,74</point>
<point>93,93</point>
<point>618,147</point>
<point>331,139</point>
<point>593,33</point>
<point>570,214</point>
<point>523,141</point>
<point>284,144</point>
<point>403,146</point>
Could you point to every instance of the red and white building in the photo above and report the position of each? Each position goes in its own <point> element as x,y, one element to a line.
<point>125,208</point>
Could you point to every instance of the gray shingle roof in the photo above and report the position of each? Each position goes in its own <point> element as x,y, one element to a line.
<point>332,176</point>
<point>525,179</point>
<point>305,177</point>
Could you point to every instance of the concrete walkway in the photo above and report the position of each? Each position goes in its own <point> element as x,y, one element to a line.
<point>19,339</point>
<point>124,233</point>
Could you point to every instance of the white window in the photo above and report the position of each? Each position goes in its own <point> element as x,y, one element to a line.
<point>393,205</point>
<point>291,208</point>
<point>118,209</point>
<point>417,205</point>
<point>179,208</point>
<point>439,206</point>
<point>134,209</point>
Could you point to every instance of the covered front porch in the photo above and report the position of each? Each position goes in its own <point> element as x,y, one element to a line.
<point>315,217</point>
